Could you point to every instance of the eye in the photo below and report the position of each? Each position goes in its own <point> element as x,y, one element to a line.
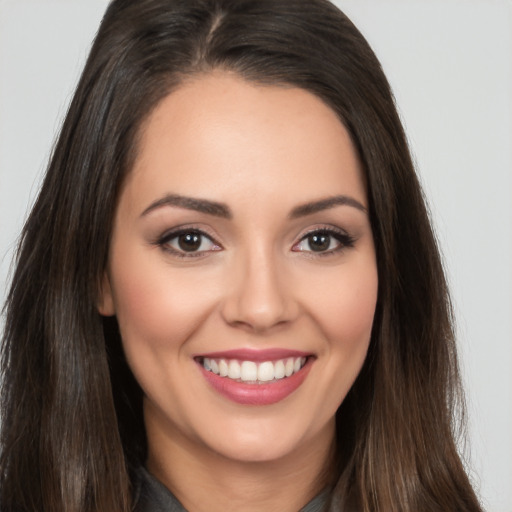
<point>188,243</point>
<point>324,241</point>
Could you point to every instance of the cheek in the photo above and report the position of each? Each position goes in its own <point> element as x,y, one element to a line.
<point>342,304</point>
<point>156,305</point>
<point>348,320</point>
<point>346,308</point>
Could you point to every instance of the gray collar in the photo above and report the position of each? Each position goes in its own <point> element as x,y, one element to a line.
<point>152,496</point>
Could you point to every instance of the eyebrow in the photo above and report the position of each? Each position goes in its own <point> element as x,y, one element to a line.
<point>324,204</point>
<point>191,203</point>
<point>222,210</point>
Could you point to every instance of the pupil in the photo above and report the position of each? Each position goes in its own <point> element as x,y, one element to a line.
<point>319,242</point>
<point>189,242</point>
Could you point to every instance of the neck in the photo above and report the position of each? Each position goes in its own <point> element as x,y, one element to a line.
<point>205,481</point>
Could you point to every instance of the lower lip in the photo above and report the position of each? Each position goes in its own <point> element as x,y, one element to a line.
<point>257,394</point>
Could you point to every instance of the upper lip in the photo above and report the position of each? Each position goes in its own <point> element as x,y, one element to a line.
<point>256,355</point>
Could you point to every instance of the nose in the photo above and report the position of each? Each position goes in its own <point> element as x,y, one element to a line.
<point>260,294</point>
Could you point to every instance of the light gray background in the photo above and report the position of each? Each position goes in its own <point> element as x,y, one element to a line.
<point>450,64</point>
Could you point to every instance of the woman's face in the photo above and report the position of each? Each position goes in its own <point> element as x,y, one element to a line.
<point>242,269</point>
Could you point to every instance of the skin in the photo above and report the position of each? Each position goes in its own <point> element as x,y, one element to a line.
<point>261,151</point>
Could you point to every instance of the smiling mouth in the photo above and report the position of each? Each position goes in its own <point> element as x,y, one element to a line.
<point>255,377</point>
<point>251,372</point>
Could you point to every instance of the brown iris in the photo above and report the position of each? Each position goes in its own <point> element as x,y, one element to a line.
<point>189,242</point>
<point>319,242</point>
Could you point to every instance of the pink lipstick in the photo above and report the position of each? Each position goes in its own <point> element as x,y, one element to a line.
<point>255,377</point>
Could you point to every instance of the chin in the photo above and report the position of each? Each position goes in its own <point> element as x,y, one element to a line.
<point>265,442</point>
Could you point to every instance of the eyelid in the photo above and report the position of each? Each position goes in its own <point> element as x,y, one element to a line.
<point>163,241</point>
<point>346,240</point>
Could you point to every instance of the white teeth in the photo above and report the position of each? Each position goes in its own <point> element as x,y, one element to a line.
<point>288,367</point>
<point>223,368</point>
<point>250,371</point>
<point>279,371</point>
<point>266,371</point>
<point>234,370</point>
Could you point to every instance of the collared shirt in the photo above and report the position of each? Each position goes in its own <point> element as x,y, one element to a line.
<point>153,496</point>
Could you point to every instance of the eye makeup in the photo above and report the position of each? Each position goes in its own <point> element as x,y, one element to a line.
<point>187,242</point>
<point>324,241</point>
<point>193,242</point>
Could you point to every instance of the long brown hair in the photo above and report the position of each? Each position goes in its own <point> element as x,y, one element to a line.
<point>72,431</point>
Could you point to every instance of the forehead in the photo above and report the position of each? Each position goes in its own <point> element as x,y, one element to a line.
<point>217,131</point>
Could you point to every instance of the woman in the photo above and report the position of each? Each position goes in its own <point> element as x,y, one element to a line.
<point>228,294</point>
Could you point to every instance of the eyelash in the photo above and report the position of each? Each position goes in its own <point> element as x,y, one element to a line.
<point>164,241</point>
<point>345,241</point>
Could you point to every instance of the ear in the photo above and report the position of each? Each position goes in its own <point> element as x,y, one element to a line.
<point>105,299</point>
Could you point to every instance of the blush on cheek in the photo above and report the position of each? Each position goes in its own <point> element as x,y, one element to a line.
<point>156,307</point>
<point>349,310</point>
